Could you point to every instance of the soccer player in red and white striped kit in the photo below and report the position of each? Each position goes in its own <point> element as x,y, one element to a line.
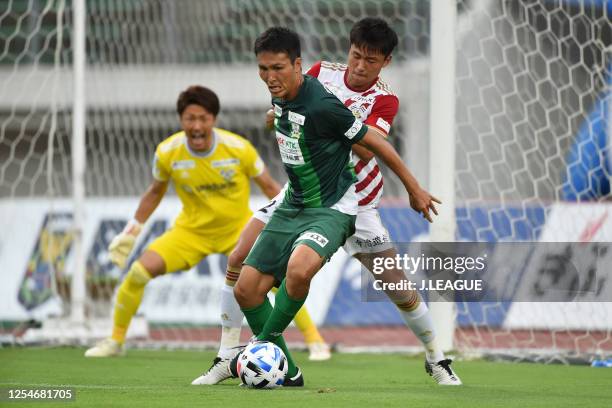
<point>359,86</point>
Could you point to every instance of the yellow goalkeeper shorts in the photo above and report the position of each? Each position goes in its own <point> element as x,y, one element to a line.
<point>181,248</point>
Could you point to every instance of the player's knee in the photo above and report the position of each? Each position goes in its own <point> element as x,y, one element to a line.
<point>299,273</point>
<point>242,294</point>
<point>303,265</point>
<point>298,280</point>
<point>153,263</point>
<point>138,276</point>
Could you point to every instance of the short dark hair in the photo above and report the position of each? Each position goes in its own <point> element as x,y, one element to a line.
<point>198,95</point>
<point>374,34</point>
<point>279,39</point>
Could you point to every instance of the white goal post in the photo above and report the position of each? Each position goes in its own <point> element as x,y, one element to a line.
<point>442,146</point>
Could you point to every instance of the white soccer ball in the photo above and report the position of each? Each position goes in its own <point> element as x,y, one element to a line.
<point>262,365</point>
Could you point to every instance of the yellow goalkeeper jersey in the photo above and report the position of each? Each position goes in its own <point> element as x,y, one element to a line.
<point>212,186</point>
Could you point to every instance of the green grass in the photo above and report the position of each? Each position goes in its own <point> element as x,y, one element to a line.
<point>161,379</point>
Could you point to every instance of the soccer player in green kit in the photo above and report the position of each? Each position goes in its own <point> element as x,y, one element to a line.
<point>315,132</point>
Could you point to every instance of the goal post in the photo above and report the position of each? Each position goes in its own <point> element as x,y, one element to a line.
<point>442,147</point>
<point>79,164</point>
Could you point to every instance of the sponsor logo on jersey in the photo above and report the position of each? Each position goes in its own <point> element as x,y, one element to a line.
<point>278,111</point>
<point>360,111</point>
<point>227,174</point>
<point>360,106</point>
<point>378,240</point>
<point>183,164</point>
<point>215,187</point>
<point>315,237</point>
<point>289,148</point>
<point>296,118</point>
<point>354,129</point>
<point>296,131</point>
<point>367,98</point>
<point>225,162</point>
<point>383,124</point>
<point>357,114</point>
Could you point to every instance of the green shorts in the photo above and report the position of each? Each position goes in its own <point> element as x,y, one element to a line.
<point>322,229</point>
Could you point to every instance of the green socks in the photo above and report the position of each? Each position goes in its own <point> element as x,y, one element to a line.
<point>283,313</point>
<point>260,316</point>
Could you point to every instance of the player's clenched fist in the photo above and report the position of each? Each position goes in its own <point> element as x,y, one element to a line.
<point>270,119</point>
<point>121,246</point>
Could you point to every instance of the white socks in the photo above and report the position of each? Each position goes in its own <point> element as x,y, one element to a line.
<point>231,322</point>
<point>419,321</point>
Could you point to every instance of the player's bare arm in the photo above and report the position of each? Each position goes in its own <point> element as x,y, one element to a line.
<point>363,153</point>
<point>150,200</point>
<point>420,200</point>
<point>267,184</point>
<point>122,244</point>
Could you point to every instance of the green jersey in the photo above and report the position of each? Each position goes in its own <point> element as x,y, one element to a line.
<point>315,132</point>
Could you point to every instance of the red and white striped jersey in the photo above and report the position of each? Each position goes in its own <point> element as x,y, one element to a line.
<point>376,107</point>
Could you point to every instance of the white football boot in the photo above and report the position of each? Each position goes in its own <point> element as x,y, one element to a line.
<point>442,372</point>
<point>318,351</point>
<point>218,371</point>
<point>106,348</point>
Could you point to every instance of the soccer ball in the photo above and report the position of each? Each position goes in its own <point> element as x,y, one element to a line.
<point>262,365</point>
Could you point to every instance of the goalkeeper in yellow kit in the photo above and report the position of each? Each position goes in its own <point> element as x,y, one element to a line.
<point>211,169</point>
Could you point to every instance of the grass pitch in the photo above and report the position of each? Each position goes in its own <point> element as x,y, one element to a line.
<point>161,379</point>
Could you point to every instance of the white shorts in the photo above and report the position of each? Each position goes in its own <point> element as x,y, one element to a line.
<point>265,213</point>
<point>370,235</point>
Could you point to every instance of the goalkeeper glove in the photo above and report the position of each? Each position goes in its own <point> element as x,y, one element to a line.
<point>121,246</point>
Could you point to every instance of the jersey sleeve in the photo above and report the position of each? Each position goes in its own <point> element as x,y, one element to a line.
<point>334,119</point>
<point>161,171</point>
<point>314,70</point>
<point>253,165</point>
<point>383,112</point>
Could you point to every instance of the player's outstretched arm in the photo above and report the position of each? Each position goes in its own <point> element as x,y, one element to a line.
<point>122,244</point>
<point>267,184</point>
<point>363,153</point>
<point>420,200</point>
<point>150,200</point>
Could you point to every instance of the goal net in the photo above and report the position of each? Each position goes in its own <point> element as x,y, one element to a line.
<point>533,111</point>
